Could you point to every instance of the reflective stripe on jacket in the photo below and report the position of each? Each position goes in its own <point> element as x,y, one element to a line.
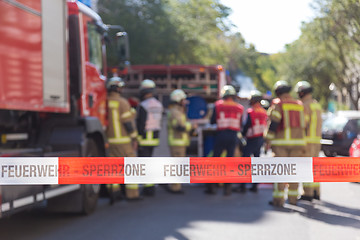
<point>149,122</point>
<point>154,111</point>
<point>150,140</point>
<point>178,126</point>
<point>289,113</point>
<point>313,119</point>
<point>120,112</point>
<point>228,114</point>
<point>258,118</point>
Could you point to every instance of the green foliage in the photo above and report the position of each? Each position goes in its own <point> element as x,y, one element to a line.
<point>243,56</point>
<point>170,31</point>
<point>327,51</point>
<point>152,37</point>
<point>185,32</point>
<point>197,32</point>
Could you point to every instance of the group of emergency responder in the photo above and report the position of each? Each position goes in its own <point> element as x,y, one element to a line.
<point>290,127</point>
<point>134,133</point>
<point>294,130</point>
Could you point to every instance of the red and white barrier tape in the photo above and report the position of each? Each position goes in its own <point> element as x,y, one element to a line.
<point>103,170</point>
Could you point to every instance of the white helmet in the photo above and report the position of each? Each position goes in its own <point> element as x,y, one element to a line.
<point>302,86</point>
<point>147,84</point>
<point>177,95</point>
<point>228,90</point>
<point>281,87</point>
<point>255,96</point>
<point>265,104</point>
<point>115,82</point>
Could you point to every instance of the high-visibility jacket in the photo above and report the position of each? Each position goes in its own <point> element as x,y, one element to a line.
<point>288,114</point>
<point>258,120</point>
<point>228,114</point>
<point>120,113</point>
<point>178,126</point>
<point>313,120</point>
<point>148,122</point>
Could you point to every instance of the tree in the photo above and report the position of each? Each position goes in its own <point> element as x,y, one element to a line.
<point>327,51</point>
<point>186,32</point>
<point>243,56</point>
<point>170,31</point>
<point>341,25</point>
<point>152,37</point>
<point>305,60</point>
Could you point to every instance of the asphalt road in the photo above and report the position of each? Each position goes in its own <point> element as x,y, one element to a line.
<point>195,215</point>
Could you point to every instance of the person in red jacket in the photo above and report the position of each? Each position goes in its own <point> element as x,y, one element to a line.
<point>253,131</point>
<point>227,115</point>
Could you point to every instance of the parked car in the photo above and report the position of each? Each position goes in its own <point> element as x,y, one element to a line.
<point>339,132</point>
<point>355,147</point>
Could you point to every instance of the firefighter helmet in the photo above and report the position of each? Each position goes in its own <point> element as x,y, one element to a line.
<point>147,86</point>
<point>281,87</point>
<point>255,96</point>
<point>177,95</point>
<point>228,90</point>
<point>265,104</point>
<point>114,83</point>
<point>302,88</point>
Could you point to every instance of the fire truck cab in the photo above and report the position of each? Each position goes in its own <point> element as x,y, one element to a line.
<point>52,94</point>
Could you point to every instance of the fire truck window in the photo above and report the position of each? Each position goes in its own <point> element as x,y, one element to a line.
<point>95,47</point>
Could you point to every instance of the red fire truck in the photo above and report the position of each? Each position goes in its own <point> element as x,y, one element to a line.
<point>52,94</point>
<point>196,80</point>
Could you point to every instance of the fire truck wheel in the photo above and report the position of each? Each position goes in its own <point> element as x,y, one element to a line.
<point>90,197</point>
<point>328,153</point>
<point>91,191</point>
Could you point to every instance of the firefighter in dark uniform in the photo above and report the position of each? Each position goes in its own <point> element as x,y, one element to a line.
<point>313,121</point>
<point>227,115</point>
<point>286,134</point>
<point>148,122</point>
<point>121,132</point>
<point>253,131</point>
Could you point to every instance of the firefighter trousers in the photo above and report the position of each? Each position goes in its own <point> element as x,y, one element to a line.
<point>224,140</point>
<point>312,190</point>
<point>147,151</point>
<point>252,147</point>
<point>123,150</point>
<point>176,151</point>
<point>279,188</point>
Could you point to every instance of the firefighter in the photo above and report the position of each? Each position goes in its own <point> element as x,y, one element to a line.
<point>121,133</point>
<point>265,104</point>
<point>148,122</point>
<point>227,115</point>
<point>178,130</point>
<point>286,134</point>
<point>253,130</point>
<point>313,122</point>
